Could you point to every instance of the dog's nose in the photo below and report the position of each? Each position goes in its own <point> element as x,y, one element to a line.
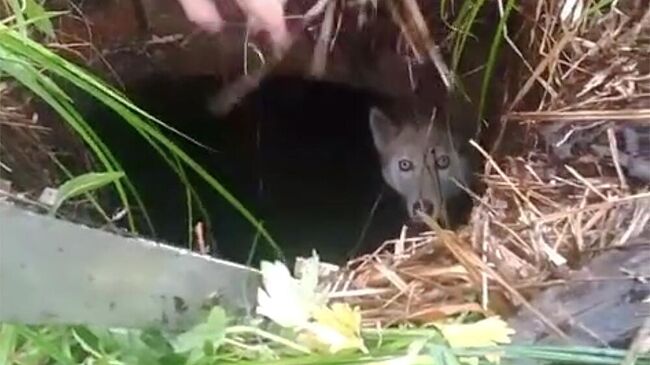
<point>423,206</point>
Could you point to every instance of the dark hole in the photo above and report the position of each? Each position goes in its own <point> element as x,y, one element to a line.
<point>297,153</point>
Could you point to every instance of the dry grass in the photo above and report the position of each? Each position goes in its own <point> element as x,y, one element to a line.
<point>32,144</point>
<point>580,187</point>
<point>24,154</point>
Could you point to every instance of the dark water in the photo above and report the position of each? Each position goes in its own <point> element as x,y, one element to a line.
<point>297,153</point>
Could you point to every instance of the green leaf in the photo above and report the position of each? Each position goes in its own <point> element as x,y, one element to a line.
<point>83,184</point>
<point>36,12</point>
<point>213,331</point>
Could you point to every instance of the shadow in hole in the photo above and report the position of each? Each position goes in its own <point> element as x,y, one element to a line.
<point>297,153</point>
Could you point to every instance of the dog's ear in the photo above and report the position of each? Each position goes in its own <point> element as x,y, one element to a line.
<point>382,128</point>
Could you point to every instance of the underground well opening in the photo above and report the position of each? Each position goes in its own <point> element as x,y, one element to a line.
<point>297,153</point>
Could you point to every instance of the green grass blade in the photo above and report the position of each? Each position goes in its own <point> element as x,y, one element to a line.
<point>19,14</point>
<point>82,184</point>
<point>89,195</point>
<point>462,29</point>
<point>492,58</point>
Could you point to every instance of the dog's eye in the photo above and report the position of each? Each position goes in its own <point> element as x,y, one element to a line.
<point>442,161</point>
<point>405,165</point>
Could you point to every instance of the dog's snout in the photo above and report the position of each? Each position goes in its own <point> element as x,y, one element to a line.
<point>422,206</point>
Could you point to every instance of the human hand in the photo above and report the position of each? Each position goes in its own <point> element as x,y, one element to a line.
<point>262,15</point>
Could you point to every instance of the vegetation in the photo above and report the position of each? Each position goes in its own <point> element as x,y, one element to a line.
<point>306,330</point>
<point>26,61</point>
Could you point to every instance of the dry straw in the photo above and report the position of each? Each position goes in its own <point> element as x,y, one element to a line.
<point>580,186</point>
